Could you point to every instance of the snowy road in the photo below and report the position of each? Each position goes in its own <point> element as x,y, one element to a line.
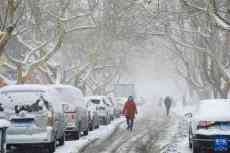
<point>150,127</point>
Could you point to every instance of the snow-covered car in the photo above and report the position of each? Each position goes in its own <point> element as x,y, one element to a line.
<point>75,111</point>
<point>102,108</point>
<point>209,126</point>
<point>110,106</point>
<point>94,121</point>
<point>115,107</point>
<point>36,119</point>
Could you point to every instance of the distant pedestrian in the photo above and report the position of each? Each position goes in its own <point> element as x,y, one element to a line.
<point>129,111</point>
<point>168,104</point>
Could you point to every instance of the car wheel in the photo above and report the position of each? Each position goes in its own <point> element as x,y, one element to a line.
<point>77,135</point>
<point>52,147</point>
<point>109,121</point>
<point>190,143</point>
<point>104,121</point>
<point>190,139</point>
<point>195,148</point>
<point>91,127</point>
<point>86,132</point>
<point>62,140</point>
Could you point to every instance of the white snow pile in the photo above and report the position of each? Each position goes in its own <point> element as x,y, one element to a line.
<point>4,123</point>
<point>102,133</point>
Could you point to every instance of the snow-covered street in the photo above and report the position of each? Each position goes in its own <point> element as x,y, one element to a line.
<point>152,133</point>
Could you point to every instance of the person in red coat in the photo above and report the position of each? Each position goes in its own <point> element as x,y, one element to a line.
<point>130,110</point>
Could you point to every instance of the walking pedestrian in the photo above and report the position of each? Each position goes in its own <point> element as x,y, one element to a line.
<point>130,110</point>
<point>168,104</point>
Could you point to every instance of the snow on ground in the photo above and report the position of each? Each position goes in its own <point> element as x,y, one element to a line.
<point>179,143</point>
<point>102,133</point>
<point>176,140</point>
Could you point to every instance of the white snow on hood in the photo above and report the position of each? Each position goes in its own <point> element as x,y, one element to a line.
<point>213,110</point>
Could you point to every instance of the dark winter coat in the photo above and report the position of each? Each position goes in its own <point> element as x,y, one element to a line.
<point>168,102</point>
<point>130,109</point>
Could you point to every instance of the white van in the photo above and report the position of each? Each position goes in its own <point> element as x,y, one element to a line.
<point>102,108</point>
<point>36,118</point>
<point>75,111</point>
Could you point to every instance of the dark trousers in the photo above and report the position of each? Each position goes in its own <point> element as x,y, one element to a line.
<point>167,110</point>
<point>130,123</point>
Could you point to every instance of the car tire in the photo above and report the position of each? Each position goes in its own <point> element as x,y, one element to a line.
<point>77,135</point>
<point>190,139</point>
<point>62,140</point>
<point>105,121</point>
<point>52,147</point>
<point>109,121</point>
<point>195,148</point>
<point>97,126</point>
<point>190,144</point>
<point>86,132</point>
<point>91,127</point>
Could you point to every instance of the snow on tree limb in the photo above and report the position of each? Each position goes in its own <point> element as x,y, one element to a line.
<point>222,23</point>
<point>212,11</point>
<point>80,28</point>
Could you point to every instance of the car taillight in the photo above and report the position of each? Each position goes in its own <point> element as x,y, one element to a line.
<point>50,119</point>
<point>205,124</point>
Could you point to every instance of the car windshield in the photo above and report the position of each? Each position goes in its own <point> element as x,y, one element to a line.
<point>27,100</point>
<point>22,96</point>
<point>95,101</point>
<point>224,125</point>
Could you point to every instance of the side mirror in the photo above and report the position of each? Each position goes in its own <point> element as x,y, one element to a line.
<point>188,115</point>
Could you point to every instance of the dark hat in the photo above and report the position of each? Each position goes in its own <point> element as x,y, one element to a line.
<point>130,98</point>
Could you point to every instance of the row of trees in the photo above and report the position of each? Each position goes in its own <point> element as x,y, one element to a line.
<point>199,35</point>
<point>88,43</point>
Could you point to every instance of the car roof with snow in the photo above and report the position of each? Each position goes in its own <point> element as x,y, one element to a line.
<point>94,97</point>
<point>213,110</point>
<point>49,93</point>
<point>25,87</point>
<point>62,86</point>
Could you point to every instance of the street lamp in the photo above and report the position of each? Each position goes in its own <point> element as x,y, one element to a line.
<point>4,124</point>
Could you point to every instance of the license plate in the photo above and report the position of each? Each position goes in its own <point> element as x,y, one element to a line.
<point>23,125</point>
<point>221,145</point>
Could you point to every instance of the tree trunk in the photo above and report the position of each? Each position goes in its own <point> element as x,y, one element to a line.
<point>19,75</point>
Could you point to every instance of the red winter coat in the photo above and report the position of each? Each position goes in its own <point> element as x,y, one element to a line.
<point>130,109</point>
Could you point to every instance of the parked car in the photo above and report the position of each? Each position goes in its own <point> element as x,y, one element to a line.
<point>102,108</point>
<point>36,119</point>
<point>112,106</point>
<point>75,111</point>
<point>209,126</point>
<point>94,121</point>
<point>117,108</point>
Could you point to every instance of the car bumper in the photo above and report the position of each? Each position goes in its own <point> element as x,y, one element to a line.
<point>103,118</point>
<point>41,137</point>
<point>69,129</point>
<point>29,139</point>
<point>208,143</point>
